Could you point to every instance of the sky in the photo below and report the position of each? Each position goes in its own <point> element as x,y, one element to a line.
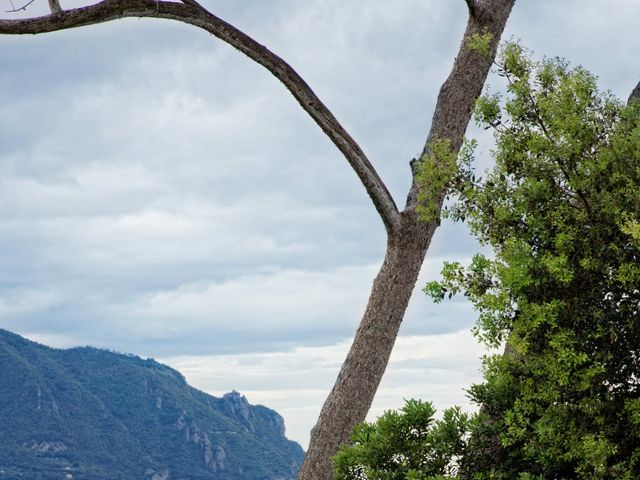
<point>162,195</point>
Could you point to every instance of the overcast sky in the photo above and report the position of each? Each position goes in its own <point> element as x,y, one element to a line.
<point>162,195</point>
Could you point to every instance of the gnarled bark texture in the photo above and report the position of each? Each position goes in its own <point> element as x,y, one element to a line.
<point>408,236</point>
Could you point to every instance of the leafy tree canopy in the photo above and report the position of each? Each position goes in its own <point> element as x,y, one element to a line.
<point>561,211</point>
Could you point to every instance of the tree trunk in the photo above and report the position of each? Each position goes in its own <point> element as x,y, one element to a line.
<point>408,237</point>
<point>353,392</point>
<point>361,373</point>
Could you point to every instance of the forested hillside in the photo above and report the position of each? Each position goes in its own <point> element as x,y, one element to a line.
<point>102,415</point>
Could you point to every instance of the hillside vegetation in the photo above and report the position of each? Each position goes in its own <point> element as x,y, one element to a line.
<point>101,415</point>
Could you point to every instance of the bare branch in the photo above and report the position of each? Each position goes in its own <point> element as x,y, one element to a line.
<point>23,7</point>
<point>192,13</point>
<point>471,5</point>
<point>55,6</point>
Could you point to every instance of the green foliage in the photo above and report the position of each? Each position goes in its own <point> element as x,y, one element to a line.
<point>441,171</point>
<point>481,43</point>
<point>488,111</point>
<point>436,171</point>
<point>561,212</point>
<point>405,445</point>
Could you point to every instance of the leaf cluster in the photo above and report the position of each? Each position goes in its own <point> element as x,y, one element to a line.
<point>409,444</point>
<point>441,172</point>
<point>481,43</point>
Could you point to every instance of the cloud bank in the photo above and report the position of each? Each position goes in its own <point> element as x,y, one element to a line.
<point>162,195</point>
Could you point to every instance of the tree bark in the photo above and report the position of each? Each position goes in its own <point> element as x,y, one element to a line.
<point>357,383</point>
<point>408,236</point>
<point>362,371</point>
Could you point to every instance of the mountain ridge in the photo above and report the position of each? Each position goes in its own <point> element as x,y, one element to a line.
<point>102,415</point>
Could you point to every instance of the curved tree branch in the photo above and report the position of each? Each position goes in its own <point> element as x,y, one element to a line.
<point>193,13</point>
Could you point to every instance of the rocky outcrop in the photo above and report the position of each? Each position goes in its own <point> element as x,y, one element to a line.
<point>214,456</point>
<point>238,407</point>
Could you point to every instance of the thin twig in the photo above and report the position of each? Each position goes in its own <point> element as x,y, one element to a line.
<point>24,7</point>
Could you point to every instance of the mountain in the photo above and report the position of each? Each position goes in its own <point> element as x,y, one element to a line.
<point>85,413</point>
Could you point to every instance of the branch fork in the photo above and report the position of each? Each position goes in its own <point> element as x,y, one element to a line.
<point>408,237</point>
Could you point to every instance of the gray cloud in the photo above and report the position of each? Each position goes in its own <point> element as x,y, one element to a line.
<point>162,195</point>
<point>173,162</point>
